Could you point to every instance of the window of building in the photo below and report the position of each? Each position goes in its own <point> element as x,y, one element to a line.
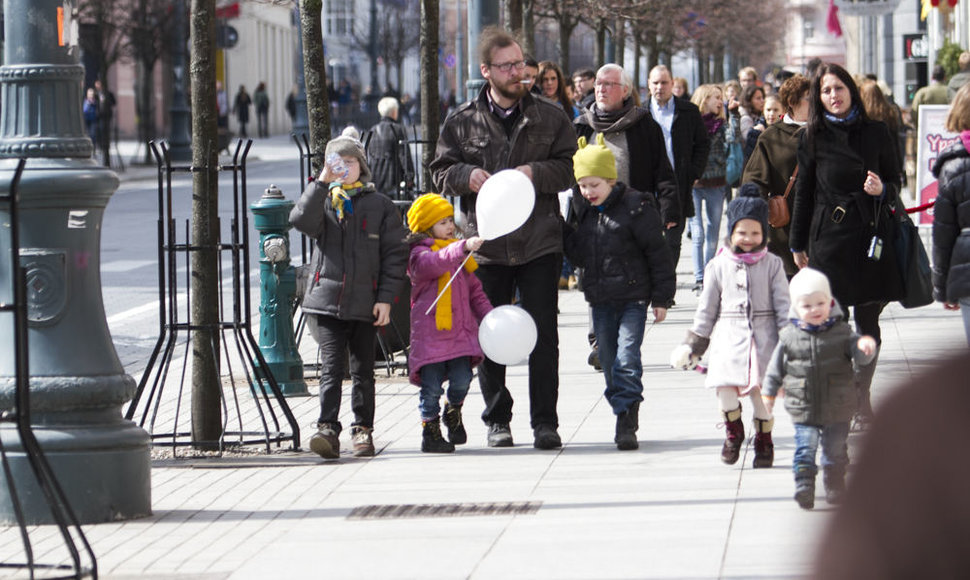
<point>340,17</point>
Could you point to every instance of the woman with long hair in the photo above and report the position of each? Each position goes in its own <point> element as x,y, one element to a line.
<point>553,86</point>
<point>752,105</point>
<point>842,222</point>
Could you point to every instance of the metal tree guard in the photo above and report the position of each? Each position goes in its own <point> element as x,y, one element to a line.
<point>61,512</point>
<point>256,418</point>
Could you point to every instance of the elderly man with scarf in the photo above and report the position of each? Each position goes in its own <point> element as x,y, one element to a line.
<point>637,143</point>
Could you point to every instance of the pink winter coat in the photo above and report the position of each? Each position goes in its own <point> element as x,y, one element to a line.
<point>468,302</point>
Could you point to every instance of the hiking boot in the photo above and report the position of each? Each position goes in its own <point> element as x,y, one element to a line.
<point>805,488</point>
<point>546,437</point>
<point>431,439</point>
<point>452,420</point>
<point>499,435</point>
<point>833,478</point>
<point>764,449</point>
<point>731,450</point>
<point>325,441</point>
<point>626,429</point>
<point>363,441</point>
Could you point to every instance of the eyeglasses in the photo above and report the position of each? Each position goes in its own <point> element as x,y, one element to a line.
<point>505,67</point>
<point>608,85</point>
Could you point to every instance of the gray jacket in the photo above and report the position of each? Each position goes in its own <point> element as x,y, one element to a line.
<point>356,263</point>
<point>542,137</point>
<point>815,368</point>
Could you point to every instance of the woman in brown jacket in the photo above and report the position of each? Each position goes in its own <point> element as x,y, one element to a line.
<point>773,161</point>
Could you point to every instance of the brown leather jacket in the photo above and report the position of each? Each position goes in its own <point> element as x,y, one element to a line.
<point>541,137</point>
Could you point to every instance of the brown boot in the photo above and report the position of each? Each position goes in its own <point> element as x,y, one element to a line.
<point>735,436</point>
<point>764,449</point>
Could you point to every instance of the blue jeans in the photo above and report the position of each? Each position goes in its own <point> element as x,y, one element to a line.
<point>965,311</point>
<point>704,237</point>
<point>619,334</point>
<point>834,450</point>
<point>457,371</point>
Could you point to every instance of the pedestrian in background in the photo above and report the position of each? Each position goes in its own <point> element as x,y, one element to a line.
<point>222,107</point>
<point>261,102</point>
<point>932,94</point>
<point>444,343</point>
<point>241,108</point>
<point>356,272</point>
<point>388,153</point>
<point>553,86</point>
<point>813,362</point>
<point>90,110</point>
<point>506,127</point>
<point>618,241</point>
<point>742,307</point>
<point>841,222</point>
<point>951,214</point>
<point>961,77</point>
<point>680,88</point>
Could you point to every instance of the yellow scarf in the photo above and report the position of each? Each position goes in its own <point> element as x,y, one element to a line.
<point>340,198</point>
<point>442,311</point>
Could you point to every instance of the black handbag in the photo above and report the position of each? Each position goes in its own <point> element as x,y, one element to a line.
<point>914,264</point>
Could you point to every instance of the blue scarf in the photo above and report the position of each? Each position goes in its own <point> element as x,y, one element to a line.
<point>852,116</point>
<point>813,328</point>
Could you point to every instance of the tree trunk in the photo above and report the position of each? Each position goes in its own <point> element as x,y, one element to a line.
<point>636,62</point>
<point>599,51</point>
<point>719,63</point>
<point>315,74</point>
<point>146,107</point>
<point>429,85</point>
<point>204,314</point>
<point>565,34</point>
<point>619,39</point>
<point>512,14</point>
<point>702,73</point>
<point>528,27</point>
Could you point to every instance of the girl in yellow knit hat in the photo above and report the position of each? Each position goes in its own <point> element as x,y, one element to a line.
<point>444,342</point>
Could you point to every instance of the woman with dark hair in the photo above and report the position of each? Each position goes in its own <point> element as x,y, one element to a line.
<point>879,108</point>
<point>553,87</point>
<point>752,104</point>
<point>842,222</point>
<point>773,160</point>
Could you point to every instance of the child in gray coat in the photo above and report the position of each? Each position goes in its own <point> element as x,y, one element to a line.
<point>813,362</point>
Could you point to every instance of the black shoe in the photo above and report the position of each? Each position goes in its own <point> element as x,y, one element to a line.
<point>698,287</point>
<point>594,359</point>
<point>431,439</point>
<point>805,496</point>
<point>499,435</point>
<point>452,420</point>
<point>546,437</point>
<point>627,423</point>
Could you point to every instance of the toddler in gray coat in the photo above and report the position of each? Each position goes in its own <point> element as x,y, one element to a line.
<point>813,362</point>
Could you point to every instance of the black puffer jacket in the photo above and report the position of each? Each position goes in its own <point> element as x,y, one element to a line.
<point>388,156</point>
<point>357,262</point>
<point>951,225</point>
<point>621,248</point>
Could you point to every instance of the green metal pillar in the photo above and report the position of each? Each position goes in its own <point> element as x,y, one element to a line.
<point>77,383</point>
<point>278,289</point>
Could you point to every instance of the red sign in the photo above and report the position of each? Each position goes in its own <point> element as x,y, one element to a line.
<point>228,11</point>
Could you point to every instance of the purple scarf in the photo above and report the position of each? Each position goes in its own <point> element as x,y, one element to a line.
<point>712,122</point>
<point>965,137</point>
<point>746,257</point>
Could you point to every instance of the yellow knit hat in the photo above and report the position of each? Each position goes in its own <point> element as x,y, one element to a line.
<point>594,160</point>
<point>428,210</point>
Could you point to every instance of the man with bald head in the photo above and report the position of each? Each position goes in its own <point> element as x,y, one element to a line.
<point>686,141</point>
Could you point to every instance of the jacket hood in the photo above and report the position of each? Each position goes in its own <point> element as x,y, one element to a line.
<point>955,150</point>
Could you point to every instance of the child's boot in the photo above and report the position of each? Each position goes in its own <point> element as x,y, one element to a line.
<point>431,439</point>
<point>805,488</point>
<point>452,420</point>
<point>833,477</point>
<point>764,449</point>
<point>627,424</point>
<point>735,436</point>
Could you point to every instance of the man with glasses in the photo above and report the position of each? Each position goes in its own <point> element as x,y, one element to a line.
<point>637,144</point>
<point>686,143</point>
<point>507,127</point>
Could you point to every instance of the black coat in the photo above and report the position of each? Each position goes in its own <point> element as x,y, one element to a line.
<point>834,220</point>
<point>691,146</point>
<point>388,156</point>
<point>621,249</point>
<point>951,225</point>
<point>650,170</point>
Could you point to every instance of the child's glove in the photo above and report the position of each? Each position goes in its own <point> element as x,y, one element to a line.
<point>684,358</point>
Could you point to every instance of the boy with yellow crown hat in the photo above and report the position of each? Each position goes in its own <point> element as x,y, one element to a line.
<point>617,238</point>
<point>444,342</point>
<point>356,271</point>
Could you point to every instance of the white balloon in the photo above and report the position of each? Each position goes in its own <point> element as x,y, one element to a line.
<point>505,201</point>
<point>507,335</point>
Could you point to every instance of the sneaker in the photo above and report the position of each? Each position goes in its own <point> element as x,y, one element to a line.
<point>805,496</point>
<point>546,437</point>
<point>499,435</point>
<point>363,441</point>
<point>325,442</point>
<point>698,287</point>
<point>452,420</point>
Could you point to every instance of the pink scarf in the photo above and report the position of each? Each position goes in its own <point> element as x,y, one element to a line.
<point>747,257</point>
<point>965,137</point>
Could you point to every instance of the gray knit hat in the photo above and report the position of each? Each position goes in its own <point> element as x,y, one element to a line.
<point>348,146</point>
<point>748,204</point>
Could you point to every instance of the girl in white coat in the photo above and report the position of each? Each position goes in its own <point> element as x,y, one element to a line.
<point>742,307</point>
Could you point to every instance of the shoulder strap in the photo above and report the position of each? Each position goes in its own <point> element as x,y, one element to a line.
<point>791,181</point>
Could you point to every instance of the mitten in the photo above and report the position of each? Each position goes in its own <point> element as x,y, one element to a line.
<point>683,358</point>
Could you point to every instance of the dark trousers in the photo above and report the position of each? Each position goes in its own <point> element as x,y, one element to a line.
<point>537,283</point>
<point>674,237</point>
<point>334,337</point>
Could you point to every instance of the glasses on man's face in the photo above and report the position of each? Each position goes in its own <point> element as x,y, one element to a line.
<point>505,67</point>
<point>607,85</point>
